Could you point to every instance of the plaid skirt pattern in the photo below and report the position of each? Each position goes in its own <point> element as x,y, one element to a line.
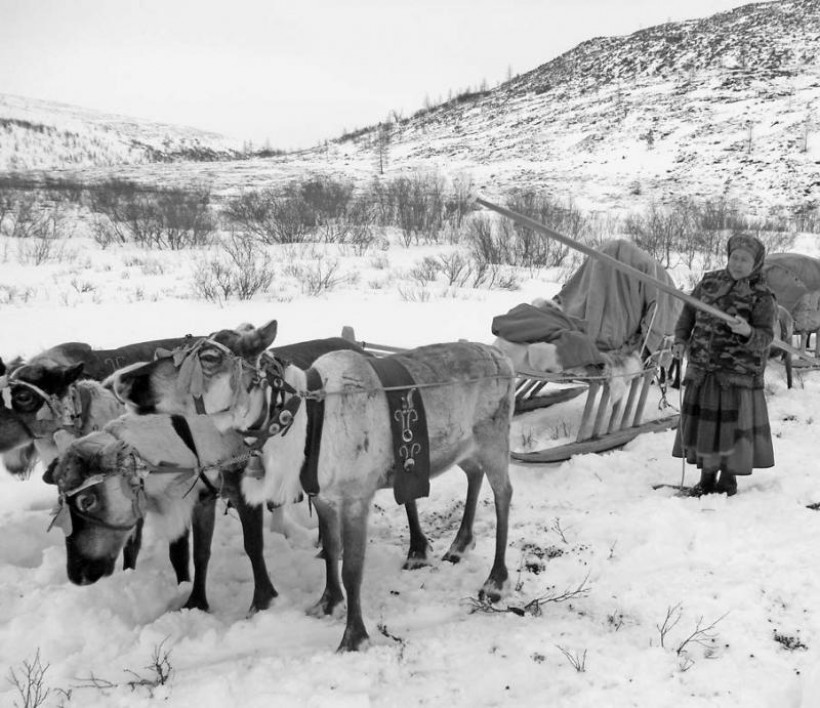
<point>724,428</point>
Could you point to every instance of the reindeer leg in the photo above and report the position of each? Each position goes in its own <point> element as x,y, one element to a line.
<point>180,556</point>
<point>354,540</point>
<point>499,478</point>
<point>204,516</point>
<point>417,555</point>
<point>464,537</point>
<point>251,518</point>
<point>332,596</point>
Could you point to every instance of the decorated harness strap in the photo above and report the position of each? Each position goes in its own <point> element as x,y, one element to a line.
<point>315,409</point>
<point>408,423</point>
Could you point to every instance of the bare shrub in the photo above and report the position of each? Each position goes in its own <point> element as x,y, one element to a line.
<point>42,241</point>
<point>361,218</point>
<point>419,206</point>
<point>576,660</point>
<point>456,268</point>
<point>425,271</point>
<point>289,215</point>
<point>246,271</point>
<point>533,248</point>
<point>319,276</point>
<point>660,232</point>
<point>29,680</point>
<point>162,218</point>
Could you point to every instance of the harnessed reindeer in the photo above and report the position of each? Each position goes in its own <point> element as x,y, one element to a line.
<point>466,391</point>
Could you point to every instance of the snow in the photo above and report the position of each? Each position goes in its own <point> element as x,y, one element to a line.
<point>739,574</point>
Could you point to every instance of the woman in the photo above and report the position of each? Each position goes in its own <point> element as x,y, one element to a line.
<point>724,425</point>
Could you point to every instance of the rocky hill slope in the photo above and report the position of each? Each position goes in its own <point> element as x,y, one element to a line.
<point>44,135</point>
<point>722,107</point>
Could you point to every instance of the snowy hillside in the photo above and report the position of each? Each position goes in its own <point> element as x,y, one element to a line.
<point>721,106</point>
<point>46,135</point>
<point>727,106</point>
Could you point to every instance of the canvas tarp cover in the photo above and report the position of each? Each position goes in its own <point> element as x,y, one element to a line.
<point>616,311</point>
<point>791,275</point>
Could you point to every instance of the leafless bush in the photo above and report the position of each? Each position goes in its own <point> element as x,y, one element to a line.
<point>162,218</point>
<point>160,674</point>
<point>421,206</point>
<point>533,607</point>
<point>291,214</point>
<point>483,244</point>
<point>703,635</point>
<point>660,233</point>
<point>246,271</point>
<point>362,221</point>
<point>533,248</point>
<point>319,276</point>
<point>576,661</point>
<point>455,268</point>
<point>10,294</point>
<point>29,680</point>
<point>425,271</point>
<point>697,231</point>
<point>414,294</point>
<point>36,222</point>
<point>42,241</point>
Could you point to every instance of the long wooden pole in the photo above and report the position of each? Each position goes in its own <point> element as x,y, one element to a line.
<point>631,270</point>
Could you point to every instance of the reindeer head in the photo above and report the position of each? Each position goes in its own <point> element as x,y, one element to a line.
<point>212,375</point>
<point>101,500</point>
<point>107,483</point>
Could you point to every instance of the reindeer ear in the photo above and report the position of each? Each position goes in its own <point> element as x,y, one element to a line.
<point>72,373</point>
<point>48,475</point>
<point>133,386</point>
<point>268,332</point>
<point>255,341</point>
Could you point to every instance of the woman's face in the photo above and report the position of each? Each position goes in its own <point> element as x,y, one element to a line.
<point>741,263</point>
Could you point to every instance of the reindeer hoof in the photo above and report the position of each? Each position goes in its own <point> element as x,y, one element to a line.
<point>415,561</point>
<point>489,594</point>
<point>196,603</point>
<point>327,606</point>
<point>354,641</point>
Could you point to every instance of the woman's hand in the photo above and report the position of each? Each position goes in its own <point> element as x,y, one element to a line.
<point>741,327</point>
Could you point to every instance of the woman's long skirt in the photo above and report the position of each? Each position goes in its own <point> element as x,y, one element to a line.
<point>724,428</point>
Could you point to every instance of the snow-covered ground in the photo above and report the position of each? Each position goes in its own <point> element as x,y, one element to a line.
<point>674,601</point>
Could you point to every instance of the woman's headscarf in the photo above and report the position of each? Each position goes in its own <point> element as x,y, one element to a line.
<point>750,244</point>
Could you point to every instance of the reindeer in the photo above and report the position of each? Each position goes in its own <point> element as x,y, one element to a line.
<point>467,391</point>
<point>806,313</point>
<point>47,388</point>
<point>108,480</point>
<point>201,516</point>
<point>165,385</point>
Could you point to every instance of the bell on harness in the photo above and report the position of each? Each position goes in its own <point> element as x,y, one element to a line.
<point>255,469</point>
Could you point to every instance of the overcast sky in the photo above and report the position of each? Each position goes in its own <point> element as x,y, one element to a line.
<point>297,72</point>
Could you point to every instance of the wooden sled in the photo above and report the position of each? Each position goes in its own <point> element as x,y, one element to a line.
<point>603,426</point>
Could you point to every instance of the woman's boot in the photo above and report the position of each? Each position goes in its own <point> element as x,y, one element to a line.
<point>727,484</point>
<point>707,484</point>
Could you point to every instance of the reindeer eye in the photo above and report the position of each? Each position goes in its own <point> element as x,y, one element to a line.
<point>24,400</point>
<point>86,501</point>
<point>210,357</point>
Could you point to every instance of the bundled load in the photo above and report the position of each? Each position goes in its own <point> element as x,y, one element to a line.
<point>600,317</point>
